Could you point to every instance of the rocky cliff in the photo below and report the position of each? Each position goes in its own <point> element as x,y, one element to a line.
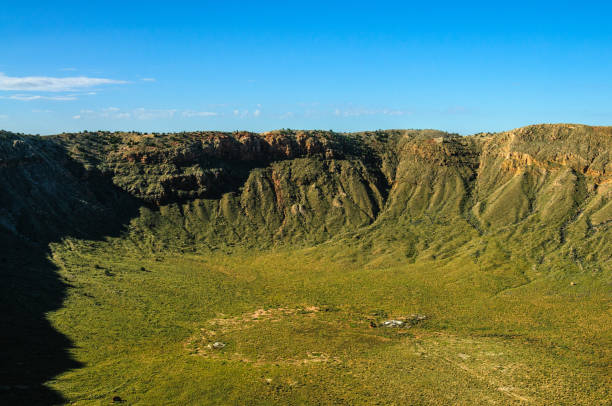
<point>541,188</point>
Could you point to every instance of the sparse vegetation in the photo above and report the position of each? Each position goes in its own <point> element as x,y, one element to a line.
<point>196,269</point>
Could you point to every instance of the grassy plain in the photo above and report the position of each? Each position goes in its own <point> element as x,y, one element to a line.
<point>297,329</point>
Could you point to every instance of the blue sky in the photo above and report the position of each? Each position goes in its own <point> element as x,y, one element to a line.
<point>227,65</point>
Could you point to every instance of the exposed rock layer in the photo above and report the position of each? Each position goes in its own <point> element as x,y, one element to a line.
<point>309,186</point>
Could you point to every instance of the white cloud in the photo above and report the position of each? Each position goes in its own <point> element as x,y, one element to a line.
<point>116,113</point>
<point>396,112</point>
<point>141,113</point>
<point>288,114</point>
<point>29,97</point>
<point>52,84</point>
<point>41,111</point>
<point>148,79</point>
<point>149,114</point>
<point>354,112</point>
<point>241,114</point>
<point>61,97</point>
<point>190,113</point>
<point>247,113</point>
<point>3,116</point>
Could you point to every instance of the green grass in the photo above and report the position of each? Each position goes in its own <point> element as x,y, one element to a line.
<point>288,255</point>
<point>296,328</point>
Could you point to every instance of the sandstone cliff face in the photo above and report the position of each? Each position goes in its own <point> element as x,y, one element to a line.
<point>550,183</point>
<point>552,171</point>
<point>180,167</point>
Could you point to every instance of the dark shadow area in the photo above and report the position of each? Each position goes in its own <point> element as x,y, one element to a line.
<point>32,350</point>
<point>44,197</point>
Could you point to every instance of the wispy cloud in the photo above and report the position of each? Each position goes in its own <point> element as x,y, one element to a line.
<point>108,112</point>
<point>149,114</point>
<point>3,116</point>
<point>29,97</point>
<point>396,112</point>
<point>52,84</point>
<point>247,113</point>
<point>140,113</point>
<point>354,112</point>
<point>148,79</point>
<point>190,113</point>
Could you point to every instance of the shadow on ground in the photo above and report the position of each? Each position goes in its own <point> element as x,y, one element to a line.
<point>44,197</point>
<point>33,352</point>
